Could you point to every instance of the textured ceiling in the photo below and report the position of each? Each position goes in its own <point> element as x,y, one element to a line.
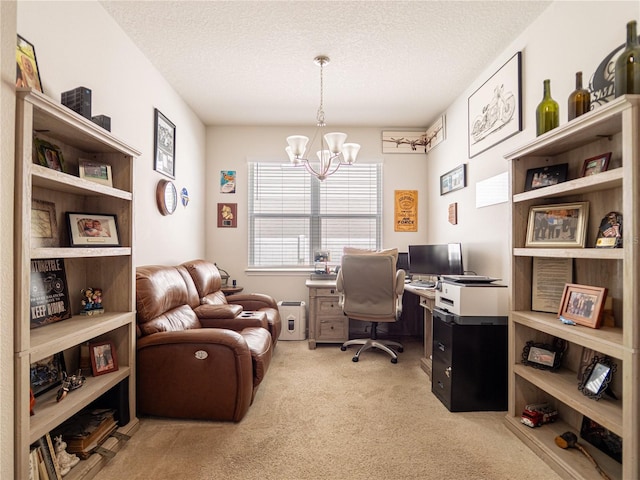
<point>393,63</point>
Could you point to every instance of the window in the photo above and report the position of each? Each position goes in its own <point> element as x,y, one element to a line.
<point>292,214</point>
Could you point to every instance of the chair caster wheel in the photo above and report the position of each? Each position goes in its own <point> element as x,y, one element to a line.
<point>343,348</point>
<point>400,349</point>
<point>355,359</point>
<point>394,360</point>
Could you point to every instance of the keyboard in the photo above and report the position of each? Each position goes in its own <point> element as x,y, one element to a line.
<point>423,283</point>
<point>469,278</point>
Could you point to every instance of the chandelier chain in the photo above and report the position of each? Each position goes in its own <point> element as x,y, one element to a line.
<point>320,115</point>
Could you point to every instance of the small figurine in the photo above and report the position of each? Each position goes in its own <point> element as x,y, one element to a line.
<point>70,383</point>
<point>66,460</point>
<point>87,299</point>
<point>91,301</point>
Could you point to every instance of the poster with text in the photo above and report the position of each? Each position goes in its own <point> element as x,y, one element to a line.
<point>49,292</point>
<point>406,211</point>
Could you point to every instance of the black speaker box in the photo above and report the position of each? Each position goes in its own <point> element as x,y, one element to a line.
<point>78,100</point>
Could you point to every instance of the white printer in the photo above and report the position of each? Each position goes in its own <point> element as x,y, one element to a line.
<point>471,302</point>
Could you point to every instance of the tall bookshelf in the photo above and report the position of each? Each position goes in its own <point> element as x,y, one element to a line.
<point>615,128</point>
<point>110,268</point>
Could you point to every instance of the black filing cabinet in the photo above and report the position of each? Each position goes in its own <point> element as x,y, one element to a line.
<point>469,363</point>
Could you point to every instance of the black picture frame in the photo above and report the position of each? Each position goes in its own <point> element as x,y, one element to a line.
<point>597,377</point>
<point>454,179</point>
<point>47,373</point>
<point>27,71</point>
<point>603,439</point>
<point>542,355</point>
<point>164,157</point>
<point>545,176</point>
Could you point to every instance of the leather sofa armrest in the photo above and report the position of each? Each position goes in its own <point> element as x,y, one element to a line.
<point>252,301</point>
<point>203,373</point>
<point>226,338</point>
<point>237,323</point>
<point>208,311</point>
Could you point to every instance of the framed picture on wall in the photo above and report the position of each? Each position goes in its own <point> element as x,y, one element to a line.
<point>495,109</point>
<point>165,145</point>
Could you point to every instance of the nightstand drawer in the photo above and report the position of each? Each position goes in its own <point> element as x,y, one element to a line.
<point>329,307</point>
<point>333,329</point>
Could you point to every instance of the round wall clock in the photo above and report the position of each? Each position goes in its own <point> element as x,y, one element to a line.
<point>166,197</point>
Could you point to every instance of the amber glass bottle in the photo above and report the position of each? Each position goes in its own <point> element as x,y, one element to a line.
<point>627,73</point>
<point>548,111</point>
<point>579,100</point>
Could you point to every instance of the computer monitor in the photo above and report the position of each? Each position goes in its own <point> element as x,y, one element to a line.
<point>403,262</point>
<point>436,260</point>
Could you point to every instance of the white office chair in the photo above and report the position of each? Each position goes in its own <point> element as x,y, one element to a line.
<point>371,291</point>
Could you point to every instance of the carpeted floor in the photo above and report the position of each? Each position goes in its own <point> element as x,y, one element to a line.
<point>318,415</point>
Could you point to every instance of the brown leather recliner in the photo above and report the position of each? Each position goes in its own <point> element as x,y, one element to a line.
<point>208,282</point>
<point>185,370</point>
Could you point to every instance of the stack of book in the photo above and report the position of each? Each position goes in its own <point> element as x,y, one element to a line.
<point>43,464</point>
<point>87,430</point>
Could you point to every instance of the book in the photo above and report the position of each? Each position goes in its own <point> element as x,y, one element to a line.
<point>87,430</point>
<point>49,293</point>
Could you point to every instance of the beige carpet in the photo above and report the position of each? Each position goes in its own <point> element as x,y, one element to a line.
<point>318,415</point>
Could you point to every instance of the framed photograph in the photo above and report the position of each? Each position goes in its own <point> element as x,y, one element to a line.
<point>583,304</point>
<point>454,179</point>
<point>27,72</point>
<point>495,109</point>
<point>545,176</point>
<point>165,145</point>
<point>597,377</point>
<point>596,164</point>
<point>602,438</point>
<point>92,230</point>
<point>96,172</point>
<point>404,142</point>
<point>47,374</point>
<point>560,225</point>
<point>44,225</point>
<point>543,356</point>
<point>227,215</point>
<point>48,155</point>
<point>103,358</point>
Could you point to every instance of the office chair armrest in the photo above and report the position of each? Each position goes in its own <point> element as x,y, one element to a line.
<point>400,276</point>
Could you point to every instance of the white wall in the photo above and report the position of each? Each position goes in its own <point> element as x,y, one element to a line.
<point>79,44</point>
<point>563,40</point>
<point>231,148</point>
<point>567,37</point>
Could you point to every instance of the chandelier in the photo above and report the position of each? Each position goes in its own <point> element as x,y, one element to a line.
<point>333,151</point>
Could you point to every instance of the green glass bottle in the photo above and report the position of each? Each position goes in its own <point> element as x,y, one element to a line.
<point>579,100</point>
<point>627,73</point>
<point>548,111</point>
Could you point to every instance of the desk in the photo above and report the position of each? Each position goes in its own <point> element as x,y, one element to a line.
<point>427,303</point>
<point>327,323</point>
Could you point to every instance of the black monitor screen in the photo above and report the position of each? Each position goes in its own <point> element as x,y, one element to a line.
<point>403,261</point>
<point>445,259</point>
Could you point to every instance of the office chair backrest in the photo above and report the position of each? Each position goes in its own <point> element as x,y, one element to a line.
<point>371,287</point>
